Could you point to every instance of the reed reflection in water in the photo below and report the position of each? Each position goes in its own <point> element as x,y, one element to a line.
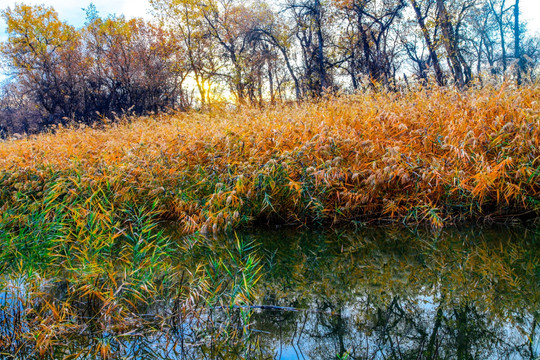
<point>382,293</point>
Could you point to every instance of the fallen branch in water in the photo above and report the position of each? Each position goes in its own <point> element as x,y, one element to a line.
<point>272,307</point>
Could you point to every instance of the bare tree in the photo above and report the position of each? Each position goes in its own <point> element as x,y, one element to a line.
<point>370,24</point>
<point>421,18</point>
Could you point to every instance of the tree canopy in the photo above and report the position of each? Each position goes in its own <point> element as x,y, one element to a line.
<point>194,54</point>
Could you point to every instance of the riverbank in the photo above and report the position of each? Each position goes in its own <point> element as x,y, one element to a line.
<point>90,268</point>
<point>435,156</point>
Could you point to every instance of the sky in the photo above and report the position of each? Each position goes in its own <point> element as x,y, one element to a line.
<point>71,10</point>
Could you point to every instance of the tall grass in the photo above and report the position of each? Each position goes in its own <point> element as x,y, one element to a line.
<point>80,208</point>
<point>435,155</point>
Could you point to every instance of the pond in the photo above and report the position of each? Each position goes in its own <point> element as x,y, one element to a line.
<point>378,293</point>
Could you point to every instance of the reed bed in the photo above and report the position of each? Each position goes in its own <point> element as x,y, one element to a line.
<point>81,208</point>
<point>112,307</point>
<point>438,156</point>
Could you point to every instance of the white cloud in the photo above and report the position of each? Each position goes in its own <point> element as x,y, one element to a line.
<point>136,8</point>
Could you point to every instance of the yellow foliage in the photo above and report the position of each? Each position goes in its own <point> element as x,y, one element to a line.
<point>433,155</point>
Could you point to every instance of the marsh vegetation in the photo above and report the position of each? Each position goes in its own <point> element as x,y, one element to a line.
<point>144,164</point>
<point>372,293</point>
<point>91,268</point>
<point>436,156</point>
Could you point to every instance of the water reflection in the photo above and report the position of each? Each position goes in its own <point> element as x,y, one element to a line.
<point>373,294</point>
<point>403,295</point>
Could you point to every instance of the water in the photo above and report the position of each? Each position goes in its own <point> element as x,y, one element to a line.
<point>382,293</point>
<point>386,293</point>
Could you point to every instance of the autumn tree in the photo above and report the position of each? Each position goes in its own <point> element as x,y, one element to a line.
<point>421,18</point>
<point>44,55</point>
<point>18,112</point>
<point>370,38</point>
<point>517,43</point>
<point>108,67</point>
<point>451,41</point>
<point>233,26</point>
<point>131,65</point>
<point>499,10</point>
<point>279,35</point>
<point>185,20</point>
<point>311,26</point>
<point>258,51</point>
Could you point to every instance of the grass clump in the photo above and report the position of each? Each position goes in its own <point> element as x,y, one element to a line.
<point>436,156</point>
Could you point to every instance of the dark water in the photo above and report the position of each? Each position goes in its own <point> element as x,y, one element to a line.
<point>381,293</point>
<point>398,294</point>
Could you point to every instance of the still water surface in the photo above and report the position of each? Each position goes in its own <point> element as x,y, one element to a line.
<point>402,294</point>
<point>382,293</point>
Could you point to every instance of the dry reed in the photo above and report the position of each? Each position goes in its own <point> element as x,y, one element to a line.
<point>436,156</point>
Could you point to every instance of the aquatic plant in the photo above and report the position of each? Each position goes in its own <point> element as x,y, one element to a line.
<point>436,156</point>
<point>83,252</point>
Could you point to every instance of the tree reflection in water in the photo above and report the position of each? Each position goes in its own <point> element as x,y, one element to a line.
<point>394,294</point>
<point>380,293</point>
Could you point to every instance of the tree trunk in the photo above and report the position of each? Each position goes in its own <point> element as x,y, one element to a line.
<point>271,84</point>
<point>500,25</point>
<point>503,44</point>
<point>431,48</point>
<point>517,46</point>
<point>320,47</point>
<point>273,40</point>
<point>450,43</point>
